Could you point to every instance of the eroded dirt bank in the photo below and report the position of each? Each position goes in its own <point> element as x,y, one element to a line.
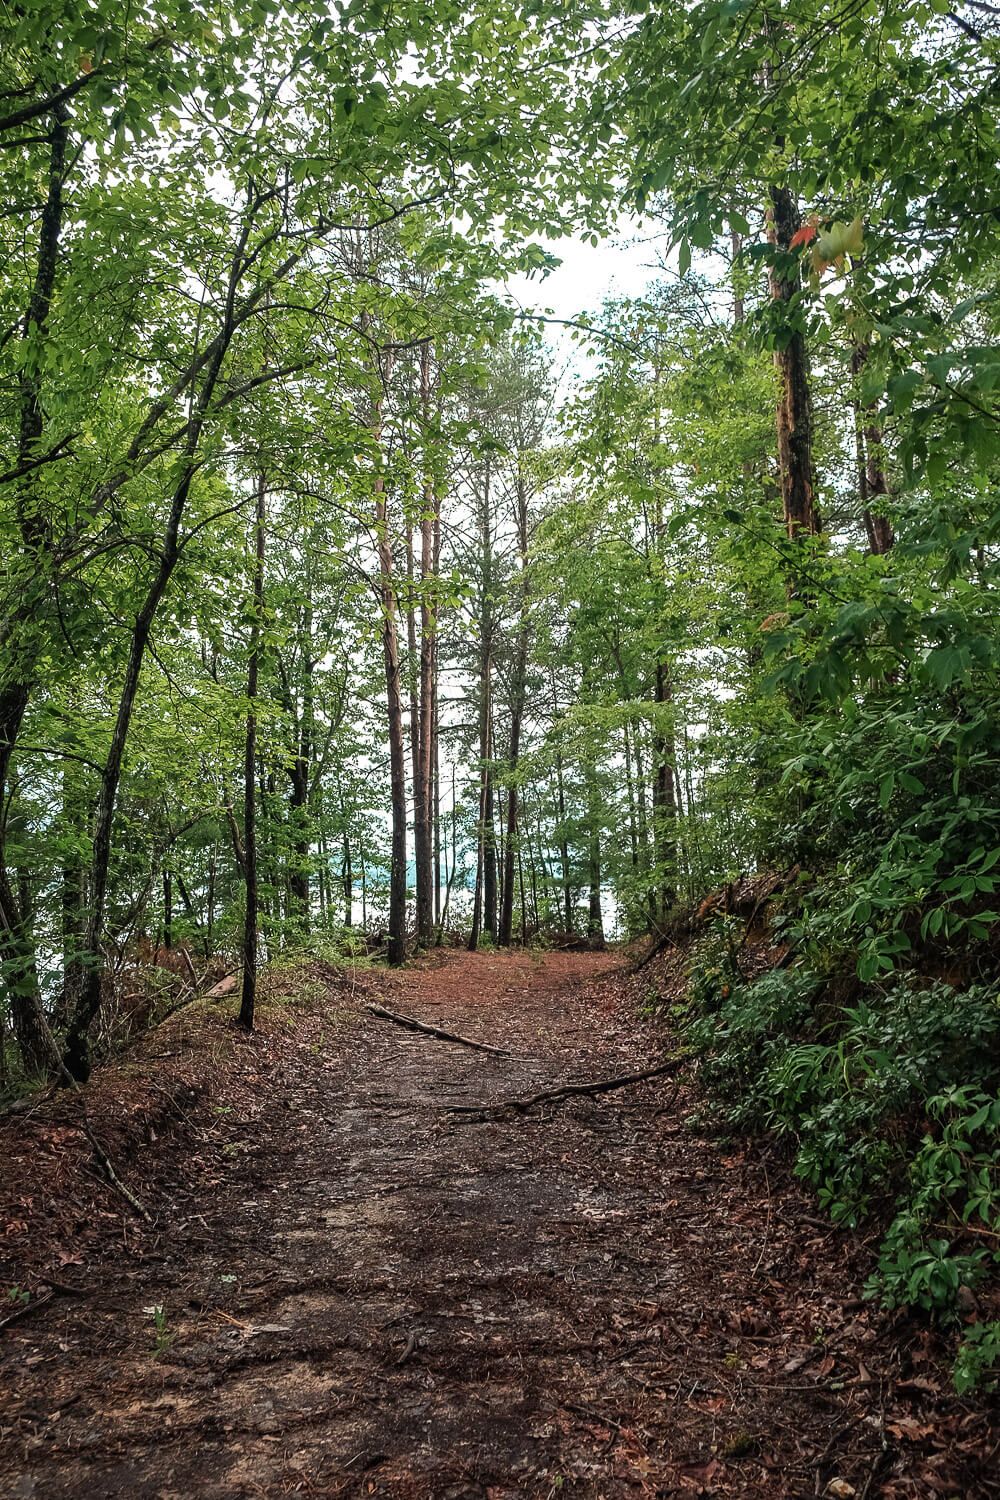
<point>363,1294</point>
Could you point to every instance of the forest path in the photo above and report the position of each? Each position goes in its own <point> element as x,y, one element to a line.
<point>375,1297</point>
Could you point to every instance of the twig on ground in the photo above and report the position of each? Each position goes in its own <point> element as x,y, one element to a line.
<point>411,1024</point>
<point>411,1344</point>
<point>108,1171</point>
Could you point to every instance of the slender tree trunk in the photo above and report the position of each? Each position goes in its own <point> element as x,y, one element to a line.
<point>595,917</point>
<point>484,905</point>
<point>484,910</point>
<point>210,900</point>
<point>423,690</point>
<point>477,897</point>
<point>348,883</point>
<point>870,453</point>
<point>518,691</point>
<point>633,834</point>
<point>564,848</point>
<point>533,873</point>
<point>664,800</point>
<point>396,948</point>
<point>794,415</point>
<point>77,1052</point>
<point>437,810</point>
<point>416,770</point>
<point>490,881</point>
<point>642,803</point>
<point>17,947</point>
<point>248,997</point>
<point>299,899</point>
<point>739,305</point>
<point>168,909</point>
<point>72,896</point>
<point>436,731</point>
<point>453,871</point>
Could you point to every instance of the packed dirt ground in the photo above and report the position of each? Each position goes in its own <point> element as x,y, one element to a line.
<point>349,1289</point>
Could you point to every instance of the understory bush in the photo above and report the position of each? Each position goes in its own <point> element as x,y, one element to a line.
<point>889,1103</point>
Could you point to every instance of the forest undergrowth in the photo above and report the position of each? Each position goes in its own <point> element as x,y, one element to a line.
<point>884,1098</point>
<point>359,600</point>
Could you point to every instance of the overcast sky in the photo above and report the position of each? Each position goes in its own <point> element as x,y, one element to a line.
<point>619,267</point>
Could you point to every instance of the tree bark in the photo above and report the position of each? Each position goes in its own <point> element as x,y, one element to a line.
<point>794,413</point>
<point>664,799</point>
<point>300,772</point>
<point>396,947</point>
<point>17,948</point>
<point>564,848</point>
<point>484,912</point>
<point>872,481</point>
<point>77,1051</point>
<point>248,994</point>
<point>518,690</point>
<point>423,771</point>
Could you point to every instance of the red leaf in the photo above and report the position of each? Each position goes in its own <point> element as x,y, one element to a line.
<point>803,236</point>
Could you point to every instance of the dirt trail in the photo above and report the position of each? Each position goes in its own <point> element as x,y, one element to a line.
<point>378,1298</point>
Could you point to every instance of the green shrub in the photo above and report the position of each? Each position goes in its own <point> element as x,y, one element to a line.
<point>890,1107</point>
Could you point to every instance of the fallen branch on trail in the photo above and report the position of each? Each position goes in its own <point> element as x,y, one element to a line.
<point>570,1090</point>
<point>438,1031</point>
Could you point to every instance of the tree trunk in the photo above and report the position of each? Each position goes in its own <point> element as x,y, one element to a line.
<point>248,996</point>
<point>564,848</point>
<point>416,768</point>
<point>396,948</point>
<point>484,911</point>
<point>300,772</point>
<point>664,800</point>
<point>77,1052</point>
<point>17,947</point>
<point>210,900</point>
<point>794,414</point>
<point>518,689</point>
<point>168,909</point>
<point>872,481</point>
<point>595,917</point>
<point>489,825</point>
<point>422,673</point>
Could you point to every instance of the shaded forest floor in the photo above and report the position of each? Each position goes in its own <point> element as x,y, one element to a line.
<point>363,1294</point>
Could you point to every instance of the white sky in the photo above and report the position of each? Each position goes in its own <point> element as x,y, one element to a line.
<point>618,267</point>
